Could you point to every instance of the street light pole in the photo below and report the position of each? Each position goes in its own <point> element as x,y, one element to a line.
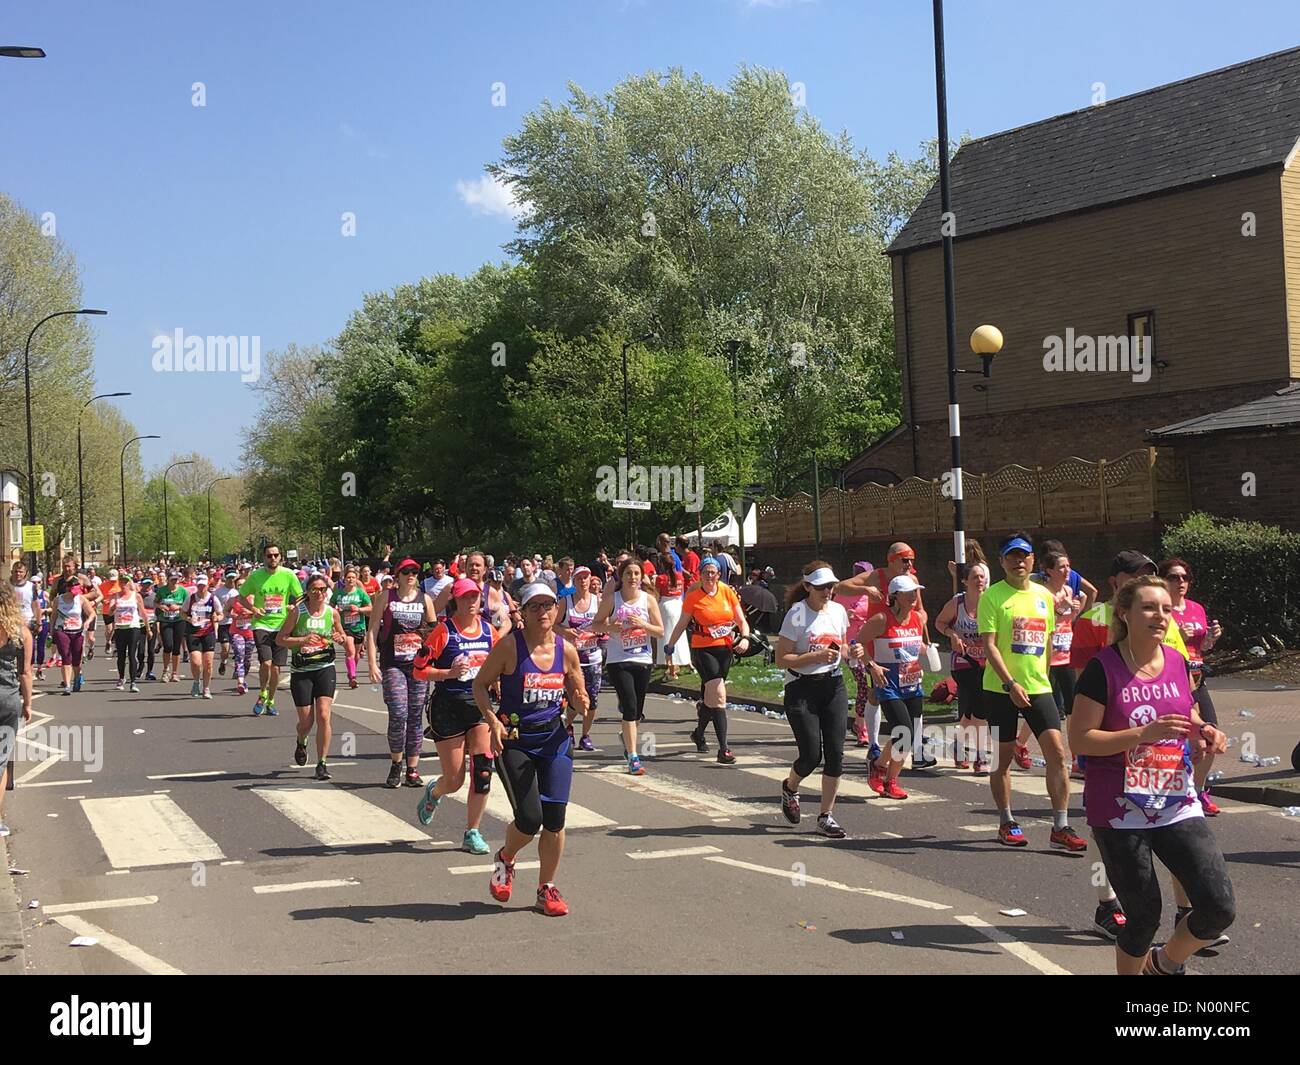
<point>627,430</point>
<point>167,546</point>
<point>30,517</point>
<point>216,482</point>
<point>734,347</point>
<point>124,447</point>
<point>81,497</point>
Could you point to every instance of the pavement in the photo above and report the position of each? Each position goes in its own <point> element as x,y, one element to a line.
<point>182,839</point>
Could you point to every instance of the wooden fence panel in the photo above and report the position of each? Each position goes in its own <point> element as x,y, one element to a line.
<point>771,521</point>
<point>1173,487</point>
<point>1011,499</point>
<point>835,516</point>
<point>1128,486</point>
<point>870,509</point>
<point>914,505</point>
<point>1071,492</point>
<point>799,519</point>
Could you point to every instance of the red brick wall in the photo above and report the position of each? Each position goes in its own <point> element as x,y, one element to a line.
<point>1216,465</point>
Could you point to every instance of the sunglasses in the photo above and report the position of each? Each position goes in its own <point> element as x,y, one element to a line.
<point>539,606</point>
<point>407,570</point>
<point>1178,577</point>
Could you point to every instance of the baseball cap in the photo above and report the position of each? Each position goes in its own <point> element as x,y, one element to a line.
<point>1017,544</point>
<point>497,575</point>
<point>579,572</point>
<point>862,567</point>
<point>36,578</point>
<point>904,583</point>
<point>464,586</point>
<point>146,580</point>
<point>709,560</point>
<point>536,590</point>
<point>232,573</point>
<point>407,563</point>
<point>1130,562</point>
<point>113,573</point>
<point>202,578</point>
<point>174,575</point>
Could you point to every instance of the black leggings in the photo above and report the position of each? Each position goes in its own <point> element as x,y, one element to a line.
<point>127,642</point>
<point>173,639</point>
<point>1187,849</point>
<point>900,716</point>
<point>1063,684</point>
<point>145,648</point>
<point>711,663</point>
<point>817,707</point>
<point>630,681</point>
<point>531,812</point>
<point>970,691</point>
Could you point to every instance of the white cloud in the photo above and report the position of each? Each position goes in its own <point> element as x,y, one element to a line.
<point>487,195</point>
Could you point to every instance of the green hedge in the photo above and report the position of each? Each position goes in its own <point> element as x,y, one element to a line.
<point>1247,575</point>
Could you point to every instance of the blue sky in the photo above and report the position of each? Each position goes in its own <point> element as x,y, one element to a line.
<point>225,219</point>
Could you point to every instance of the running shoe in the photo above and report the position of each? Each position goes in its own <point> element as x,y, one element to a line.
<point>634,765</point>
<point>150,676</point>
<point>925,763</point>
<point>1068,839</point>
<point>475,843</point>
<point>300,753</point>
<point>1208,805</point>
<point>119,685</point>
<point>196,690</point>
<point>1022,757</point>
<point>322,771</point>
<point>76,684</point>
<point>893,791</point>
<point>860,731</point>
<point>550,903</point>
<point>271,711</point>
<point>790,804</point>
<point>503,877</point>
<point>135,687</point>
<point>241,688</point>
<point>829,827</point>
<point>980,768</point>
<point>352,683</point>
<point>572,740</point>
<point>875,778</point>
<point>4,829</point>
<point>207,693</point>
<point>1151,968</point>
<point>1109,920</point>
<point>413,778</point>
<point>1222,940</point>
<point>725,757</point>
<point>394,775</point>
<point>428,804</point>
<point>221,669</point>
<point>1011,835</point>
<point>66,689</point>
<point>701,745</point>
<point>961,763</point>
<point>259,707</point>
<point>585,744</point>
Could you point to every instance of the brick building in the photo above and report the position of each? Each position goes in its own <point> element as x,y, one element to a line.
<point>1172,214</point>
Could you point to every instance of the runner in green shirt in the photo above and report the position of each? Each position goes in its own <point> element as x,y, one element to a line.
<point>311,629</point>
<point>354,603</point>
<point>1016,619</point>
<point>267,594</point>
<point>172,598</point>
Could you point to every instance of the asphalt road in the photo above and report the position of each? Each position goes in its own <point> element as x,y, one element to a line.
<point>198,847</point>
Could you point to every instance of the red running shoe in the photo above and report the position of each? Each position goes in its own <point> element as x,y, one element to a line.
<point>1068,839</point>
<point>550,902</point>
<point>876,779</point>
<point>1011,835</point>
<point>503,877</point>
<point>893,791</point>
<point>1208,805</point>
<point>961,763</point>
<point>1022,757</point>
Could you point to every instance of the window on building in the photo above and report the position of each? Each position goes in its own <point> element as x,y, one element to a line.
<point>15,526</point>
<point>67,539</point>
<point>1141,325</point>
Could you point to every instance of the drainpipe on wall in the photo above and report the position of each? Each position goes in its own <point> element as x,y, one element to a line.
<point>909,411</point>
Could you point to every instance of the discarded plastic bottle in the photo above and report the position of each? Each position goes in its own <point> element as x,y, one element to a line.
<point>1265,763</point>
<point>1217,775</point>
<point>1291,811</point>
<point>1248,759</point>
<point>375,688</point>
<point>1039,763</point>
<point>1232,742</point>
<point>1246,713</point>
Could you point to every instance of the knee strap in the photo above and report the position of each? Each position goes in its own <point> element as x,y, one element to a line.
<point>482,774</point>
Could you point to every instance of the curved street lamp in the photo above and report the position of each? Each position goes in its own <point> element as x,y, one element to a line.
<point>152,436</point>
<point>21,51</point>
<point>81,497</point>
<point>27,385</point>
<point>216,482</point>
<point>166,533</point>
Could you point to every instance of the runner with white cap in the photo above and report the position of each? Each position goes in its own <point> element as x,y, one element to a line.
<point>225,592</point>
<point>577,613</point>
<point>813,635</point>
<point>534,755</point>
<point>202,613</point>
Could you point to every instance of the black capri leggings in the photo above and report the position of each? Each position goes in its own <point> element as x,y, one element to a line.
<point>711,663</point>
<point>970,691</point>
<point>127,642</point>
<point>1187,849</point>
<point>901,715</point>
<point>817,707</point>
<point>173,639</point>
<point>1205,704</point>
<point>1063,684</point>
<point>531,812</point>
<point>630,681</point>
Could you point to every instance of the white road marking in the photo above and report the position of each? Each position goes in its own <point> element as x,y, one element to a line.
<point>338,818</point>
<point>59,784</point>
<point>102,904</point>
<point>234,861</point>
<point>305,885</point>
<point>681,795</point>
<point>1025,785</point>
<point>849,788</point>
<point>367,709</point>
<point>787,874</point>
<point>38,769</point>
<point>117,872</point>
<point>891,835</point>
<point>1013,946</point>
<point>464,870</point>
<point>185,776</point>
<point>124,950</point>
<point>137,830</point>
<point>676,852</point>
<point>576,816</point>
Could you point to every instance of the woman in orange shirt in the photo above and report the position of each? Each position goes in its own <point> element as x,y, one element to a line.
<point>715,610</point>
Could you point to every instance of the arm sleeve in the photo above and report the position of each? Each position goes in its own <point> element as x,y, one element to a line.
<point>429,651</point>
<point>1092,682</point>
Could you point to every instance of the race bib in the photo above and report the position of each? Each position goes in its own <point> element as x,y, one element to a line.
<point>543,688</point>
<point>1154,774</point>
<point>405,644</point>
<point>1062,640</point>
<point>822,641</point>
<point>475,660</point>
<point>586,638</point>
<point>1028,636</point>
<point>125,615</point>
<point>72,624</point>
<point>351,616</point>
<point>273,604</point>
<point>721,632</point>
<point>910,674</point>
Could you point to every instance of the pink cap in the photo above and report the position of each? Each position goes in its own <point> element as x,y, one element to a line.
<point>464,586</point>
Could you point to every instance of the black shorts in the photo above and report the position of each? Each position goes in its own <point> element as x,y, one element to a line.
<point>970,692</point>
<point>206,642</point>
<point>267,650</point>
<point>452,714</point>
<point>711,663</point>
<point>223,634</point>
<point>1205,705</point>
<point>311,685</point>
<point>1004,716</point>
<point>1063,685</point>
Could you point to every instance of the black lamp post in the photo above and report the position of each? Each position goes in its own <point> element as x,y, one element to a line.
<point>166,531</point>
<point>30,518</point>
<point>216,482</point>
<point>81,496</point>
<point>627,427</point>
<point>124,447</point>
<point>21,51</point>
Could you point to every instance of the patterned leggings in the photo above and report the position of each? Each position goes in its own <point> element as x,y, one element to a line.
<point>864,713</point>
<point>591,677</point>
<point>404,697</point>
<point>241,648</point>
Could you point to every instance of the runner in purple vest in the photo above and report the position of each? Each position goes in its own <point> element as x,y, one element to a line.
<point>1135,718</point>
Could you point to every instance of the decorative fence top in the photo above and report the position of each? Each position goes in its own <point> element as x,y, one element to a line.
<point>1148,484</point>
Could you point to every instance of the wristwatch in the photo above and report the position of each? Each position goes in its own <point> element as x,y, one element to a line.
<point>1008,685</point>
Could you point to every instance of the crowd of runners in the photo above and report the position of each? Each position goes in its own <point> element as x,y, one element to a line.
<point>502,667</point>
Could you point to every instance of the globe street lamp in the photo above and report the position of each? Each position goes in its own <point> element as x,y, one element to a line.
<point>166,532</point>
<point>124,447</point>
